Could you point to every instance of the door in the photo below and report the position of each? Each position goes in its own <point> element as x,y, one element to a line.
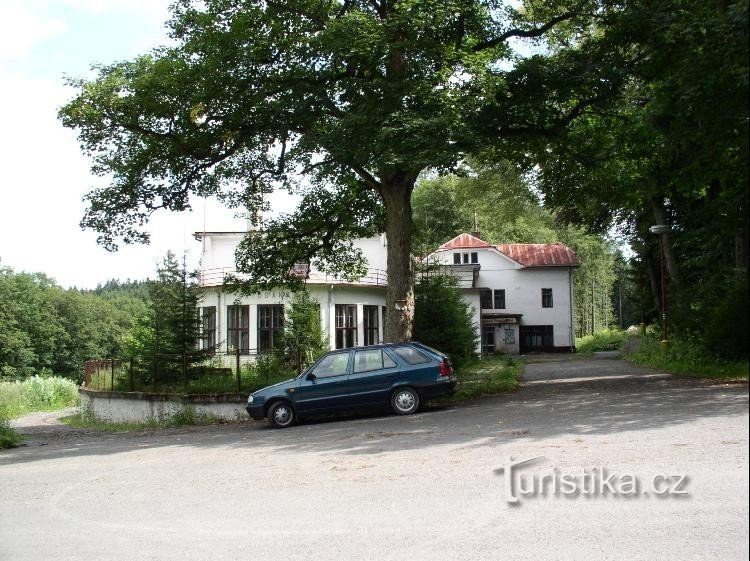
<point>372,375</point>
<point>328,388</point>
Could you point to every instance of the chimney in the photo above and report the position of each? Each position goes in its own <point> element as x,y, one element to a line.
<point>475,228</point>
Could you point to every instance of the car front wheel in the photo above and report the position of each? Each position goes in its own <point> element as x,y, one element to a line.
<point>281,415</point>
<point>405,401</point>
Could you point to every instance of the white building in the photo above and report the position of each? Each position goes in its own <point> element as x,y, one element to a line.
<point>521,294</point>
<point>351,312</point>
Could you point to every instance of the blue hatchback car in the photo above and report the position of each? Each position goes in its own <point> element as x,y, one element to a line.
<point>400,374</point>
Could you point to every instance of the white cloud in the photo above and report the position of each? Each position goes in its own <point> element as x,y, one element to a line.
<point>22,28</point>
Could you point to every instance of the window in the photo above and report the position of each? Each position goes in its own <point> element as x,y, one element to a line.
<point>411,355</point>
<point>456,258</point>
<point>546,298</point>
<point>207,317</point>
<point>485,299</point>
<point>335,364</point>
<point>488,340</point>
<point>466,257</point>
<point>270,326</point>
<point>500,299</point>
<point>346,326</point>
<point>537,337</point>
<point>238,334</point>
<point>474,257</point>
<point>371,325</point>
<point>376,359</point>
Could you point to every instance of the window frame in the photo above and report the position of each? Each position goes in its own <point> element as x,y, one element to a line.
<point>371,332</point>
<point>275,317</point>
<point>547,300</point>
<point>485,297</point>
<point>501,300</point>
<point>345,333</point>
<point>207,334</point>
<point>238,334</point>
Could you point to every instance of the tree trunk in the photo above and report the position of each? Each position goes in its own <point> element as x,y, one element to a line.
<point>653,277</point>
<point>399,317</point>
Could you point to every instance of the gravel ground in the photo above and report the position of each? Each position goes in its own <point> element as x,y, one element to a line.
<point>387,487</point>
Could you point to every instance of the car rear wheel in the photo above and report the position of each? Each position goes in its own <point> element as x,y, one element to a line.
<point>405,401</point>
<point>281,415</point>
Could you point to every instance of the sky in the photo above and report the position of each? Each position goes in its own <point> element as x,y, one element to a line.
<point>43,174</point>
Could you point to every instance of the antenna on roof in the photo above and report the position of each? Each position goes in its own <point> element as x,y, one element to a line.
<point>475,227</point>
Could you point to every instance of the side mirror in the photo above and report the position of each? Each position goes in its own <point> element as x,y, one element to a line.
<point>312,377</point>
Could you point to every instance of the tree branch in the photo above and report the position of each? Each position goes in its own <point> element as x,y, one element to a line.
<point>525,33</point>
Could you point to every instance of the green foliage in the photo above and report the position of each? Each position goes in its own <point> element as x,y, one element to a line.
<point>36,394</point>
<point>45,329</point>
<point>602,340</point>
<point>303,340</point>
<point>687,357</point>
<point>443,320</point>
<point>490,375</point>
<point>8,437</point>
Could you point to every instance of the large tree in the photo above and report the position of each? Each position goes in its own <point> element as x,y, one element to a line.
<point>345,102</point>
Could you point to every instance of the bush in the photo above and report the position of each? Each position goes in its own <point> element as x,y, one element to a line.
<point>604,340</point>
<point>37,394</point>
<point>443,320</point>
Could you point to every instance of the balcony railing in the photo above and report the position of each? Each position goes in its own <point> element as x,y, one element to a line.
<point>373,277</point>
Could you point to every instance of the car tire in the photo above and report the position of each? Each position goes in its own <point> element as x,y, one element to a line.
<point>404,401</point>
<point>281,415</point>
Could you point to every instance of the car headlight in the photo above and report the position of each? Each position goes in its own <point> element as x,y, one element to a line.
<point>250,399</point>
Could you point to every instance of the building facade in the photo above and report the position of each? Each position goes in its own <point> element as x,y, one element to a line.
<point>520,295</point>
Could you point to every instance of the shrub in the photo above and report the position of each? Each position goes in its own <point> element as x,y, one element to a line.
<point>443,320</point>
<point>37,394</point>
<point>604,340</point>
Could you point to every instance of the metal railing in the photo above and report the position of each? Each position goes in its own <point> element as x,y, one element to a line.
<point>218,275</point>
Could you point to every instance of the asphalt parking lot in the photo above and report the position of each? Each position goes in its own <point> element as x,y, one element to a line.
<point>428,486</point>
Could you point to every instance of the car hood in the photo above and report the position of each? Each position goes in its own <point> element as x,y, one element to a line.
<point>277,386</point>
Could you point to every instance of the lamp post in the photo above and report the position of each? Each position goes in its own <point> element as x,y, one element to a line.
<point>662,229</point>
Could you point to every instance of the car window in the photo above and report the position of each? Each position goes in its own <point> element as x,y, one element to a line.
<point>411,355</point>
<point>332,365</point>
<point>373,359</point>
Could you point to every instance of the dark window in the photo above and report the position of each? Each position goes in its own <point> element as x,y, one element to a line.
<point>537,337</point>
<point>466,257</point>
<point>411,355</point>
<point>546,298</point>
<point>371,325</point>
<point>374,359</point>
<point>456,258</point>
<point>335,364</point>
<point>500,299</point>
<point>238,334</point>
<point>475,257</point>
<point>270,326</point>
<point>346,326</point>
<point>485,299</point>
<point>208,328</point>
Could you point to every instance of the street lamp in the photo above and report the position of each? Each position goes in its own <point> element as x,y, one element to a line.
<point>662,229</point>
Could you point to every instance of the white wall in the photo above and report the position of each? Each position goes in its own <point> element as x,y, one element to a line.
<point>523,291</point>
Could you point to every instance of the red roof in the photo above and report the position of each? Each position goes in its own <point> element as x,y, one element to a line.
<point>540,254</point>
<point>463,241</point>
<point>527,254</point>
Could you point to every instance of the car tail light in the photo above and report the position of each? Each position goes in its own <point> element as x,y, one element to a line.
<point>445,368</point>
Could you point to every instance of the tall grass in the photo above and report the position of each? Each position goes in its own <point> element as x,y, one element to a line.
<point>687,358</point>
<point>603,340</point>
<point>36,394</point>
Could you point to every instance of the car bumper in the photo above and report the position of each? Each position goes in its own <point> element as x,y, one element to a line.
<point>439,389</point>
<point>255,411</point>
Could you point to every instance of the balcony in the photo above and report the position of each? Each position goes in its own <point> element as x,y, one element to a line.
<point>373,277</point>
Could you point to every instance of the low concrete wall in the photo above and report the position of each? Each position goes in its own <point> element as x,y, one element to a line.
<point>136,407</point>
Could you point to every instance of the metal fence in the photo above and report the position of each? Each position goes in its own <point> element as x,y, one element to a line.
<point>194,373</point>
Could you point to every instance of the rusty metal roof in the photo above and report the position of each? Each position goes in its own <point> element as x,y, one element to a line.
<point>540,254</point>
<point>464,241</point>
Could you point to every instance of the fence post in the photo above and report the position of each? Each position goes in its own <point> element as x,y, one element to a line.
<point>239,380</point>
<point>112,375</point>
<point>132,388</point>
<point>184,372</point>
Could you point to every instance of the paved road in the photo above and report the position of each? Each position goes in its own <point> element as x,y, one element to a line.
<point>383,487</point>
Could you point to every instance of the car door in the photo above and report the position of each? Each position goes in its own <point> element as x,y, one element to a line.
<point>370,379</point>
<point>325,384</point>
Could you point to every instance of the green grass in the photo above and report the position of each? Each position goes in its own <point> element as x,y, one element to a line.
<point>603,340</point>
<point>8,437</point>
<point>185,417</point>
<point>688,359</point>
<point>36,394</point>
<point>487,376</point>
